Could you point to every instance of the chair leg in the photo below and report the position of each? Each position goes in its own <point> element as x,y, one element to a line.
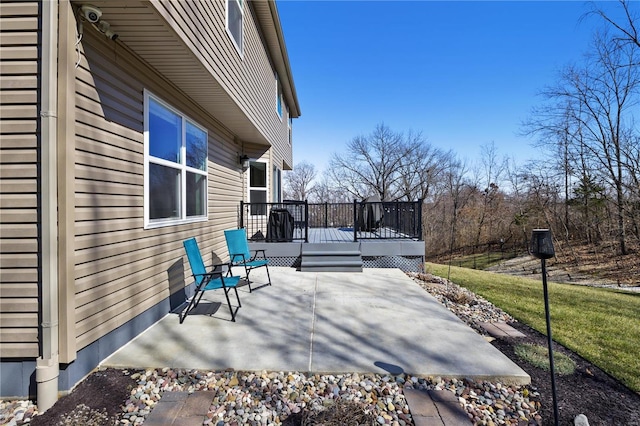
<point>247,270</point>
<point>185,312</point>
<point>239,304</point>
<point>197,296</point>
<point>268,276</point>
<point>226,294</point>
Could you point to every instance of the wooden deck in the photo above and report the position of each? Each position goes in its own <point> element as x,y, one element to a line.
<point>404,253</point>
<point>345,235</point>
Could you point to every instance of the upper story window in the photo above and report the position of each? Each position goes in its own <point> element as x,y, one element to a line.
<point>235,13</point>
<point>278,96</point>
<point>290,130</point>
<point>175,164</point>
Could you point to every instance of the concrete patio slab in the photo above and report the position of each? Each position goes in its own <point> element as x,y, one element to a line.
<point>377,321</point>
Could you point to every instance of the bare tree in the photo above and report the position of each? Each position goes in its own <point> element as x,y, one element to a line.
<point>520,213</point>
<point>323,192</point>
<point>298,183</point>
<point>459,191</point>
<point>598,100</point>
<point>560,133</point>
<point>628,29</point>
<point>418,175</point>
<point>380,164</point>
<point>492,170</point>
<point>326,190</point>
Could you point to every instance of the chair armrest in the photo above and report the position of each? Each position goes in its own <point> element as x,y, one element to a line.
<point>210,274</point>
<point>213,269</point>
<point>233,258</point>
<point>255,254</point>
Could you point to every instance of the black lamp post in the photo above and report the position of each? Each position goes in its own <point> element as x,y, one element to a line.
<point>542,248</point>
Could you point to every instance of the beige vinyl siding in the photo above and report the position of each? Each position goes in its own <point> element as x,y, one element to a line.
<point>19,248</point>
<point>120,268</point>
<point>249,79</point>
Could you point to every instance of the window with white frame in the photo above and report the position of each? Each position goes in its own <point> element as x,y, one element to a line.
<point>290,125</point>
<point>258,187</point>
<point>234,22</point>
<point>278,96</point>
<point>175,165</point>
<point>276,185</point>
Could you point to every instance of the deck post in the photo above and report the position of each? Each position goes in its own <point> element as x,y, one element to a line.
<point>306,221</point>
<point>419,206</point>
<point>355,221</point>
<point>326,215</point>
<point>240,225</point>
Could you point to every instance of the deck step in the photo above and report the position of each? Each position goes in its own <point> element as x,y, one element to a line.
<point>342,257</point>
<point>335,262</point>
<point>311,247</point>
<point>331,253</point>
<point>328,268</point>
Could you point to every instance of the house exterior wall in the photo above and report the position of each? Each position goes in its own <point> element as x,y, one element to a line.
<point>19,182</point>
<point>116,278</point>
<point>249,77</point>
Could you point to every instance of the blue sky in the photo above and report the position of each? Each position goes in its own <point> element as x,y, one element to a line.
<point>466,74</point>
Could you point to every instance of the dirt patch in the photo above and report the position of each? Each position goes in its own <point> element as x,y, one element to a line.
<point>96,401</point>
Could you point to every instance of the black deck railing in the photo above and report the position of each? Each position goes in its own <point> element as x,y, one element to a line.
<point>291,220</point>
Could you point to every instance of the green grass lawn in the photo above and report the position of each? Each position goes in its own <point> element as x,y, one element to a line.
<point>602,325</point>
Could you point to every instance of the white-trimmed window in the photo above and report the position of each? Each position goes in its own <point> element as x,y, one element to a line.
<point>276,185</point>
<point>290,128</point>
<point>175,165</point>
<point>278,96</point>
<point>235,14</point>
<point>258,187</point>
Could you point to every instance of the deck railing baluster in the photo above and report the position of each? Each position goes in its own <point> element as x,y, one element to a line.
<point>306,221</point>
<point>400,219</point>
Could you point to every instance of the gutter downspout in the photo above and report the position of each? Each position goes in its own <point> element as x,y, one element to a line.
<point>47,366</point>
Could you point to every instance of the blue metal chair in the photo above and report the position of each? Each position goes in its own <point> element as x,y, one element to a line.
<point>213,280</point>
<point>239,254</point>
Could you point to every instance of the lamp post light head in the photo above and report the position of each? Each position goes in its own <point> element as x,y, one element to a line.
<point>542,244</point>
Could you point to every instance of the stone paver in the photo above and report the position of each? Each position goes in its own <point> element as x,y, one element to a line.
<point>451,413</point>
<point>435,408</point>
<point>181,409</point>
<point>501,329</point>
<point>428,408</point>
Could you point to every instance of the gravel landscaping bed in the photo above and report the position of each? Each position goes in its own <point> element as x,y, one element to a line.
<point>266,398</point>
<point>122,397</point>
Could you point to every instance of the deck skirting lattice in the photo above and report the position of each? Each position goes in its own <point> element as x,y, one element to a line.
<point>286,261</point>
<point>404,263</point>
